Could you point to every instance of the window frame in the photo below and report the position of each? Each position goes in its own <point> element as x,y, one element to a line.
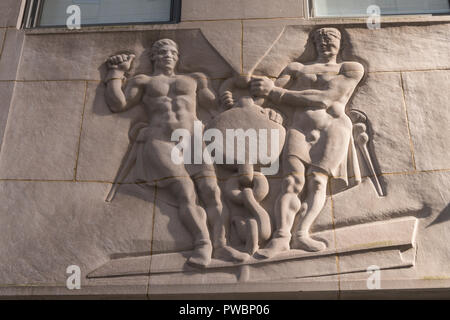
<point>310,14</point>
<point>33,12</point>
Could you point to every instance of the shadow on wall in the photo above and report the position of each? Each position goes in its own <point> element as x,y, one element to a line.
<point>443,216</point>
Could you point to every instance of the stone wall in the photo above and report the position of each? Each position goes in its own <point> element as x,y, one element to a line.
<point>61,148</point>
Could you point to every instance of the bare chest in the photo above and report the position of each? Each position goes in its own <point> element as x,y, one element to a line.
<point>315,78</point>
<point>171,87</point>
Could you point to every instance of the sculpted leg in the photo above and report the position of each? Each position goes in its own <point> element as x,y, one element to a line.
<point>218,218</point>
<point>209,194</point>
<point>315,200</point>
<point>247,230</point>
<point>194,218</point>
<point>252,241</point>
<point>286,207</point>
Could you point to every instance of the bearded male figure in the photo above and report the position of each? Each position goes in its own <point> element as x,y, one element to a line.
<point>319,142</point>
<point>170,101</point>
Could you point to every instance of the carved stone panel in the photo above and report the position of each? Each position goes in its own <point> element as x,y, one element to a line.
<point>225,219</point>
<point>225,157</point>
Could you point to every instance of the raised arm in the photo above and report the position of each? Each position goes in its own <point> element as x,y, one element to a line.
<point>122,96</point>
<point>206,96</point>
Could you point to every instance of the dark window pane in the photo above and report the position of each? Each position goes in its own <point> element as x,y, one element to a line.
<point>107,11</point>
<point>346,8</point>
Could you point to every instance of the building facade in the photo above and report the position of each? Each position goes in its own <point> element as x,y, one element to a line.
<point>93,204</point>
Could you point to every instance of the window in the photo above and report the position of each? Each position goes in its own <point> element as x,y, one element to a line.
<point>53,13</point>
<point>349,8</point>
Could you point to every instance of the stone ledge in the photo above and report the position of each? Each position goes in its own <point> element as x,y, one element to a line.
<point>395,238</point>
<point>401,20</point>
<point>305,289</point>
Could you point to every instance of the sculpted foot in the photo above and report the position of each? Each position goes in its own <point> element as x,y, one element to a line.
<point>252,249</point>
<point>305,242</point>
<point>275,246</point>
<point>201,256</point>
<point>230,254</point>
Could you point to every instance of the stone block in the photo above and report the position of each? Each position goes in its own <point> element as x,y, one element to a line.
<point>10,56</point>
<point>9,13</point>
<point>226,38</point>
<point>400,47</point>
<point>41,139</point>
<point>52,225</point>
<point>6,92</point>
<point>380,97</point>
<point>236,9</point>
<point>427,100</point>
<point>82,55</point>
<point>259,40</point>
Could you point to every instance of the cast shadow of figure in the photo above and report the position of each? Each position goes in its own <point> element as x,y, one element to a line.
<point>444,216</point>
<point>349,55</point>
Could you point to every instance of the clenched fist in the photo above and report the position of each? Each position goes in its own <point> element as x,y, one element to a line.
<point>261,87</point>
<point>121,62</point>
<point>226,100</point>
<point>273,115</point>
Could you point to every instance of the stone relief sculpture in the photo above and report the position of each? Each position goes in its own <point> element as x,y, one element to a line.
<point>318,144</point>
<point>248,187</point>
<point>170,101</point>
<point>361,138</point>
